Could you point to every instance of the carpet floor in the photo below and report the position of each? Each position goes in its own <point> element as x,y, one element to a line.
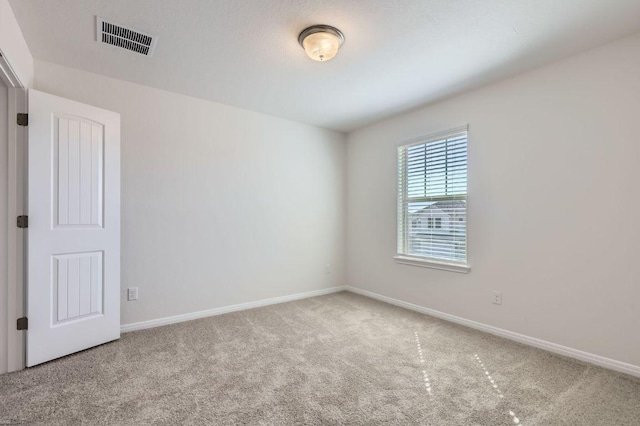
<point>340,359</point>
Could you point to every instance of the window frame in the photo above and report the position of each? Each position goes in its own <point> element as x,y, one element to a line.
<point>401,256</point>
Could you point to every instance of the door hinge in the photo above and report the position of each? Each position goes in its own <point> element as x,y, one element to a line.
<point>23,221</point>
<point>23,119</point>
<point>23,323</point>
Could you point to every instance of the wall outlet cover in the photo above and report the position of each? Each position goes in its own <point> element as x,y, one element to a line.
<point>132,293</point>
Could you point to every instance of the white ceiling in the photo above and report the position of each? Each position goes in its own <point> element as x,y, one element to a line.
<point>398,54</point>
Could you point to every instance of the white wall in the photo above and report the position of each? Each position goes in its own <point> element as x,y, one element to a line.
<point>553,204</point>
<point>219,205</point>
<point>14,46</point>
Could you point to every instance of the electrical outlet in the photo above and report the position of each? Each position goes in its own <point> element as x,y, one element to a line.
<point>327,268</point>
<point>497,297</point>
<point>132,293</point>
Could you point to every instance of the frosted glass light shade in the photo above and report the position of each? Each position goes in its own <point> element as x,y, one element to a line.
<point>321,42</point>
<point>321,46</point>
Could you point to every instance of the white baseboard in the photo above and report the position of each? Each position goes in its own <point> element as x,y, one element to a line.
<point>598,360</point>
<point>226,309</point>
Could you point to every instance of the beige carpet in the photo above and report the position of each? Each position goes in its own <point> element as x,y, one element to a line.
<point>336,359</point>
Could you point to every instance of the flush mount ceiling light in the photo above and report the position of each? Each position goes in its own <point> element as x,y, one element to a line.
<point>321,42</point>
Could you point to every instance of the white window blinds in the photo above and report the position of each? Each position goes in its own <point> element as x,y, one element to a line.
<point>432,197</point>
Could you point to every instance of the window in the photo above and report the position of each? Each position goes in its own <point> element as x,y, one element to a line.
<point>431,221</point>
<point>432,185</point>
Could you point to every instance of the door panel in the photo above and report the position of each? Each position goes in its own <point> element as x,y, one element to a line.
<point>73,300</point>
<point>78,172</point>
<point>77,286</point>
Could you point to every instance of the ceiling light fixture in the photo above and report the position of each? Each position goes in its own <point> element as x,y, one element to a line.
<point>321,42</point>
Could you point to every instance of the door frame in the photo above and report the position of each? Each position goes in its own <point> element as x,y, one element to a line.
<point>16,206</point>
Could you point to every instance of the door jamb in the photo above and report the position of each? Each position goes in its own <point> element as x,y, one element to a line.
<point>16,206</point>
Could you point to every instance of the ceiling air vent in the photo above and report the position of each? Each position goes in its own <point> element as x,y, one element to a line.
<point>119,36</point>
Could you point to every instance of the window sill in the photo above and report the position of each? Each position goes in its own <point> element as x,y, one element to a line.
<point>433,264</point>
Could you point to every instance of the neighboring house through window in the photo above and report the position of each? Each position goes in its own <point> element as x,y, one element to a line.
<point>432,198</point>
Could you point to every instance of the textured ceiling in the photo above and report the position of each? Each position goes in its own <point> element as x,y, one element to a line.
<point>398,54</point>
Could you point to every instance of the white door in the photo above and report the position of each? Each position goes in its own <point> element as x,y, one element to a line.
<point>73,291</point>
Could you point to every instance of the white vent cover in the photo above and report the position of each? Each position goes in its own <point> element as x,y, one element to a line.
<point>119,36</point>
